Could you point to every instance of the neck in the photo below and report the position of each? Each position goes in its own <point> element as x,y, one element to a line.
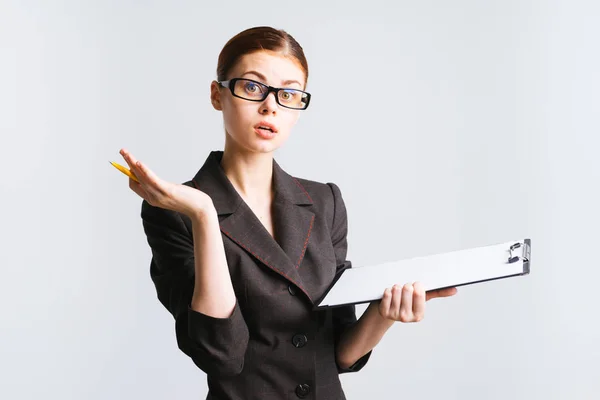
<point>250,173</point>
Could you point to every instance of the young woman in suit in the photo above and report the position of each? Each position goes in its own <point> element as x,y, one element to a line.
<point>241,252</point>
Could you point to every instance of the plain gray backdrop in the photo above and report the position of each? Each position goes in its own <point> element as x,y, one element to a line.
<point>446,124</point>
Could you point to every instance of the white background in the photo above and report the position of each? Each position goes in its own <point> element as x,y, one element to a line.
<point>447,125</point>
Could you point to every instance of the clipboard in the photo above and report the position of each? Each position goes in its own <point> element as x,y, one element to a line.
<point>365,284</point>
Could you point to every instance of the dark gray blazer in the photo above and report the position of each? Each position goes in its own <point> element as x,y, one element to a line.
<point>274,345</point>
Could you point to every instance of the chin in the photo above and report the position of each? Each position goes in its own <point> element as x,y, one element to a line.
<point>265,146</point>
<point>257,145</point>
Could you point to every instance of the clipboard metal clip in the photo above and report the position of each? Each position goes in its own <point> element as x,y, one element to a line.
<point>525,253</point>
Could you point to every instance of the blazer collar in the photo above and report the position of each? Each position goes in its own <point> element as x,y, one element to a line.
<point>292,218</point>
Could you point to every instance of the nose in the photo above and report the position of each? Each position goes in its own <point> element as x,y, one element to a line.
<point>269,105</point>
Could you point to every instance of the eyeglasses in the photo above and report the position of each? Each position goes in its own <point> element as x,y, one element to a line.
<point>248,89</point>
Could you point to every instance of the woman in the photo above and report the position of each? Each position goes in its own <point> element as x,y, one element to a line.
<point>241,252</point>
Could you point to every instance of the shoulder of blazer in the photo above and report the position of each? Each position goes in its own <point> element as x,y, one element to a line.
<point>323,196</point>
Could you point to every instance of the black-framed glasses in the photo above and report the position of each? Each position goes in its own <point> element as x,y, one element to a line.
<point>251,90</point>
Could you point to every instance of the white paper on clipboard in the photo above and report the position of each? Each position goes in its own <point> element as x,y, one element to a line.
<point>457,268</point>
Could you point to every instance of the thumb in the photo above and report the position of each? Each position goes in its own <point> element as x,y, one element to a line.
<point>432,294</point>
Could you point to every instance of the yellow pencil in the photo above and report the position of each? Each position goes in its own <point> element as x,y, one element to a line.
<point>125,171</point>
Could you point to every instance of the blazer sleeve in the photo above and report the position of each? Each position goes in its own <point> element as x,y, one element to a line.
<point>343,317</point>
<point>216,345</point>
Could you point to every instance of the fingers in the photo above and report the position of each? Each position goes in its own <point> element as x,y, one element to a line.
<point>386,301</point>
<point>407,304</point>
<point>131,161</point>
<point>138,188</point>
<point>406,310</point>
<point>418,306</point>
<point>147,175</point>
<point>161,193</point>
<point>432,294</point>
<point>441,293</point>
<point>396,302</point>
<point>404,303</point>
<point>150,186</point>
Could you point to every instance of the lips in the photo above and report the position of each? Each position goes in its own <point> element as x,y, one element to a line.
<point>266,126</point>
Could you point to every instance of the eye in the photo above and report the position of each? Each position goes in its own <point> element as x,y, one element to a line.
<point>251,87</point>
<point>288,94</point>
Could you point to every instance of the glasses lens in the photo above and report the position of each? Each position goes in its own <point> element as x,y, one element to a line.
<point>293,98</point>
<point>249,90</point>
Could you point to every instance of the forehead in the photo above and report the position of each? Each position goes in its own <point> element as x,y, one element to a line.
<point>275,67</point>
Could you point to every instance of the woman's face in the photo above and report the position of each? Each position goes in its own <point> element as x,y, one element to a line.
<point>242,118</point>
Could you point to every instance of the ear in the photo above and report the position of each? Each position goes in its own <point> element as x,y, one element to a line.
<point>215,95</point>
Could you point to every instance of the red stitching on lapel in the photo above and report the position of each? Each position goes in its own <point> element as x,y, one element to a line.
<point>264,262</point>
<point>306,241</point>
<point>302,187</point>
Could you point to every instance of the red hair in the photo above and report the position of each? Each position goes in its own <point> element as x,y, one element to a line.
<point>257,39</point>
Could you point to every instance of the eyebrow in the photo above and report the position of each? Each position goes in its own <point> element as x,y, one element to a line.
<point>263,78</point>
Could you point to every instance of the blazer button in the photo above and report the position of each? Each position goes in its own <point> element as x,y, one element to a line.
<point>302,390</point>
<point>299,340</point>
<point>292,290</point>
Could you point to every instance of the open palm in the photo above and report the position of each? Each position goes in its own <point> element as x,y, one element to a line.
<point>160,193</point>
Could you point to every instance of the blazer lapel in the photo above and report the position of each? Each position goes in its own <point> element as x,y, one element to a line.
<point>292,220</point>
<point>292,215</point>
